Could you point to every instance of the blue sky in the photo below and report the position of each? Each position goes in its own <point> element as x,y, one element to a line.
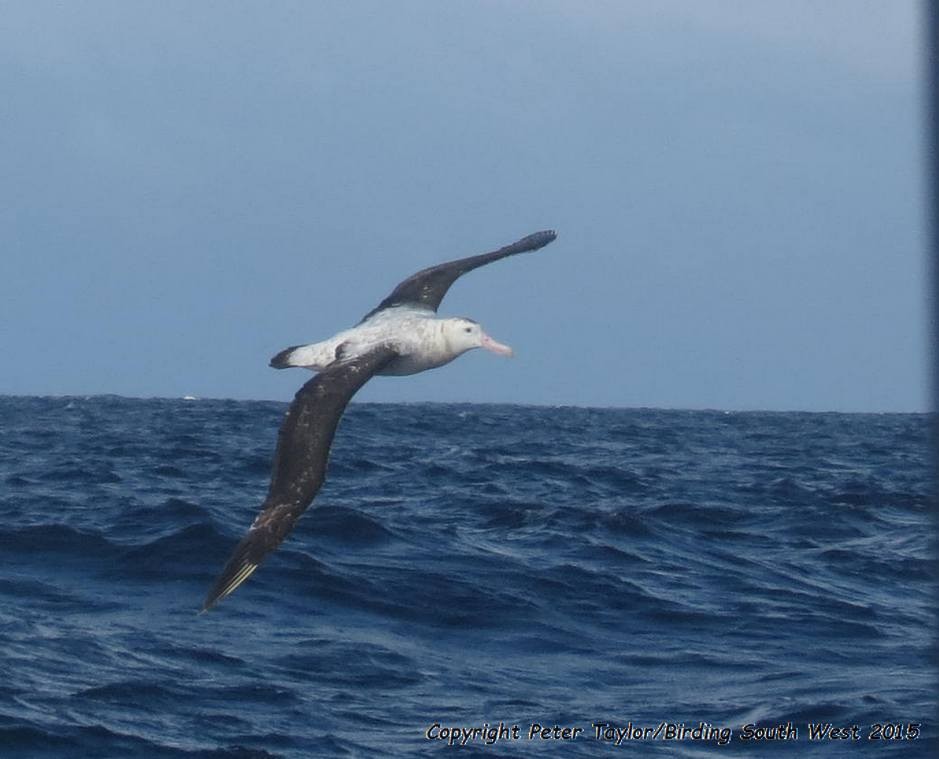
<point>187,188</point>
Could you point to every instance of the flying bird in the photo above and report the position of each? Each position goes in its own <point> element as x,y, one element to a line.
<point>402,335</point>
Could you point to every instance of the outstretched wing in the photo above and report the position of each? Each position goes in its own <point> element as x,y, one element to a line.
<point>427,287</point>
<point>299,463</point>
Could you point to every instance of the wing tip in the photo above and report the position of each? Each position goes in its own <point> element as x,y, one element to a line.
<point>534,241</point>
<point>244,560</point>
<point>228,583</point>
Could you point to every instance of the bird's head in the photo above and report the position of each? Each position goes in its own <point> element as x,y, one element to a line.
<point>464,334</point>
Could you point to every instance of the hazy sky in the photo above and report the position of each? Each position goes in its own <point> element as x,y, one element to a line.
<point>187,188</point>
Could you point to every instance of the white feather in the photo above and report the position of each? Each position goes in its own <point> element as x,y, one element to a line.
<point>422,339</point>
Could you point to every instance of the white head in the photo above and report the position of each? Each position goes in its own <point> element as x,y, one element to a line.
<point>465,334</point>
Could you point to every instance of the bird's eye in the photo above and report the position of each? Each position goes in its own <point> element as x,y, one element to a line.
<point>467,330</point>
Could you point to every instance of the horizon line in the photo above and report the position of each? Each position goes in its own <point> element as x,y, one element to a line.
<point>748,410</point>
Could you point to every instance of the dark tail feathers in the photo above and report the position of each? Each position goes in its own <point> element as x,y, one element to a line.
<point>282,359</point>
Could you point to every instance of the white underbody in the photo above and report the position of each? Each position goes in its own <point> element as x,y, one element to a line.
<point>415,333</point>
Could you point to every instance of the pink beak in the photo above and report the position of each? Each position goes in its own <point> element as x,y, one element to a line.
<point>496,347</point>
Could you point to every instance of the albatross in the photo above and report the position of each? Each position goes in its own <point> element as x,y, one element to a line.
<point>402,335</point>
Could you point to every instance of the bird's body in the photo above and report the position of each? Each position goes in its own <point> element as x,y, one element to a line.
<point>402,335</point>
<point>421,339</point>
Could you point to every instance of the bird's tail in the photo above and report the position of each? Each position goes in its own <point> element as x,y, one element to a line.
<point>315,356</point>
<point>284,359</point>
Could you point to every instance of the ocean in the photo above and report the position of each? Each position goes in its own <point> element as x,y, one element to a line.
<point>483,579</point>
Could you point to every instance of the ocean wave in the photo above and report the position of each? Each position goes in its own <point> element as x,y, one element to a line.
<point>463,564</point>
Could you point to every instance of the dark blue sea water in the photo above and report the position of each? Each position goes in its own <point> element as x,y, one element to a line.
<point>464,565</point>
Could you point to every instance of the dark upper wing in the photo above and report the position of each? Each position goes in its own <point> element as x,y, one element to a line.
<point>299,463</point>
<point>427,287</point>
